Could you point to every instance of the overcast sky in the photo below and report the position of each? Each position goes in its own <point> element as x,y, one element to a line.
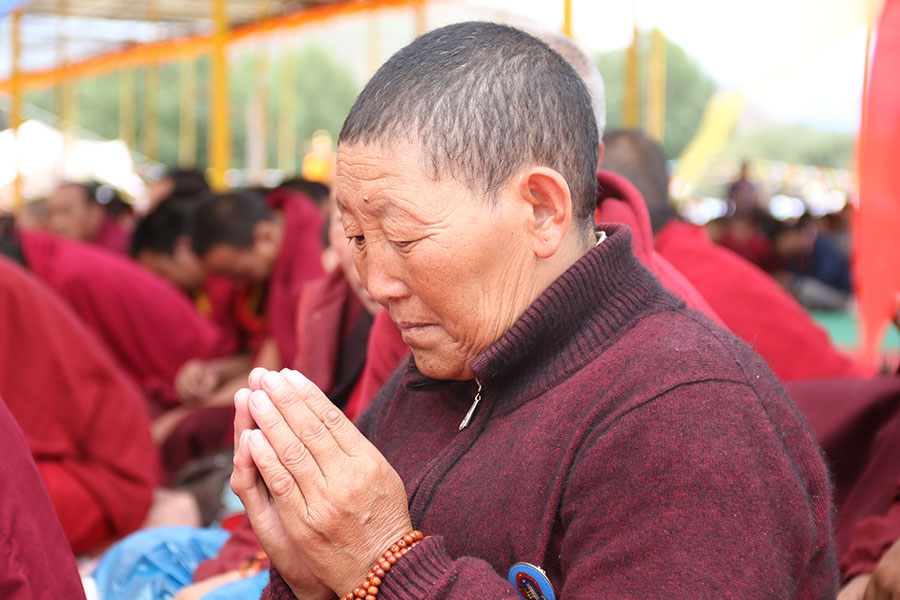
<point>797,60</point>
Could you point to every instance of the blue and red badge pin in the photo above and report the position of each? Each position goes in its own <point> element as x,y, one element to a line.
<point>531,582</point>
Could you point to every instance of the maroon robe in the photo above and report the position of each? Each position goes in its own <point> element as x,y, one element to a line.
<point>299,262</point>
<point>857,422</point>
<point>332,333</point>
<point>753,306</point>
<point>36,561</point>
<point>112,236</point>
<point>872,537</point>
<point>85,422</point>
<point>385,352</point>
<point>149,326</point>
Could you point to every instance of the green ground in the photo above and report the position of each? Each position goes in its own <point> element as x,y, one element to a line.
<point>844,330</point>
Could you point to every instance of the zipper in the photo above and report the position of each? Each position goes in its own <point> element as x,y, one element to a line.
<point>468,418</point>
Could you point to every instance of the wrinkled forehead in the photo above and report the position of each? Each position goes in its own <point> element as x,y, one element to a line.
<point>368,174</point>
<point>378,179</point>
<point>371,161</point>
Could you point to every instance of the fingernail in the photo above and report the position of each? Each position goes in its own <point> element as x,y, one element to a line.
<point>261,402</point>
<point>273,381</point>
<point>296,378</point>
<point>256,439</point>
<point>243,438</point>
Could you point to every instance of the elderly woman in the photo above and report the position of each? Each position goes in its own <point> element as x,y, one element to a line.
<point>560,409</point>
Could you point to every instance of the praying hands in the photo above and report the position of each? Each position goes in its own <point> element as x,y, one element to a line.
<point>322,499</point>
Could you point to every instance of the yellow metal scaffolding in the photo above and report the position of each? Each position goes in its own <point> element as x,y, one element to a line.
<point>219,126</point>
<point>631,111</point>
<point>16,108</point>
<point>655,119</point>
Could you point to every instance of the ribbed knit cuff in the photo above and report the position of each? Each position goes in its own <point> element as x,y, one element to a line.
<point>418,572</point>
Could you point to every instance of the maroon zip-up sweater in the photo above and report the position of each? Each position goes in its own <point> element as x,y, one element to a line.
<point>625,444</point>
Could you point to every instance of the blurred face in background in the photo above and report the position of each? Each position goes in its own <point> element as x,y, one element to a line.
<point>253,264</point>
<point>182,268</point>
<point>72,214</point>
<point>338,241</point>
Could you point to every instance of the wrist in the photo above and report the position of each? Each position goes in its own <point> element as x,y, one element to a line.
<point>368,586</point>
<point>363,558</point>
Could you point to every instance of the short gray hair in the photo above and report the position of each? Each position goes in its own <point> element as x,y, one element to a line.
<point>484,100</point>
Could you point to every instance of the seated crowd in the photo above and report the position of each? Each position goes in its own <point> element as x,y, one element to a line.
<point>492,328</point>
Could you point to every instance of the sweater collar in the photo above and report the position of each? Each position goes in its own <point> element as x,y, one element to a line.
<point>576,318</point>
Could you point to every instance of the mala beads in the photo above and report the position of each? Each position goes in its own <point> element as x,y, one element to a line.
<point>368,589</point>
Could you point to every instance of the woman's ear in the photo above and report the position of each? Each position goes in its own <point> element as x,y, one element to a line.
<point>550,213</point>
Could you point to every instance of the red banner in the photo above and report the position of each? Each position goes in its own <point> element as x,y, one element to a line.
<point>878,226</point>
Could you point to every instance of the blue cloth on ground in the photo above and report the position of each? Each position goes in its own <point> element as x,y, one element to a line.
<point>155,563</point>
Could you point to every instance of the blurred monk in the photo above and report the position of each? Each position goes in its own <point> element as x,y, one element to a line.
<point>345,343</point>
<point>272,244</point>
<point>749,302</point>
<point>181,186</point>
<point>857,422</point>
<point>36,561</point>
<point>85,421</point>
<point>77,211</point>
<point>334,320</point>
<point>148,326</point>
<point>160,243</point>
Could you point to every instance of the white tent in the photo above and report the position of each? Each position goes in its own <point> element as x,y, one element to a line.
<point>44,160</point>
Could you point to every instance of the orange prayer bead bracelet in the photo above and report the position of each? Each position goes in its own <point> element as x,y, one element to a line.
<point>368,589</point>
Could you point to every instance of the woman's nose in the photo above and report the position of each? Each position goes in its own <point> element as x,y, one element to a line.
<point>383,274</point>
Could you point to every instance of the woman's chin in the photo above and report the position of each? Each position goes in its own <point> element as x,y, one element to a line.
<point>433,364</point>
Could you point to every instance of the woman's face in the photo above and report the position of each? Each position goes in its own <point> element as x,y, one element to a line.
<point>453,270</point>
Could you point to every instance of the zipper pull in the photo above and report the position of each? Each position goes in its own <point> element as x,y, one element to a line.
<point>468,417</point>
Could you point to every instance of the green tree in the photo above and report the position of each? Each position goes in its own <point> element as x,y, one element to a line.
<point>324,90</point>
<point>796,144</point>
<point>688,90</point>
